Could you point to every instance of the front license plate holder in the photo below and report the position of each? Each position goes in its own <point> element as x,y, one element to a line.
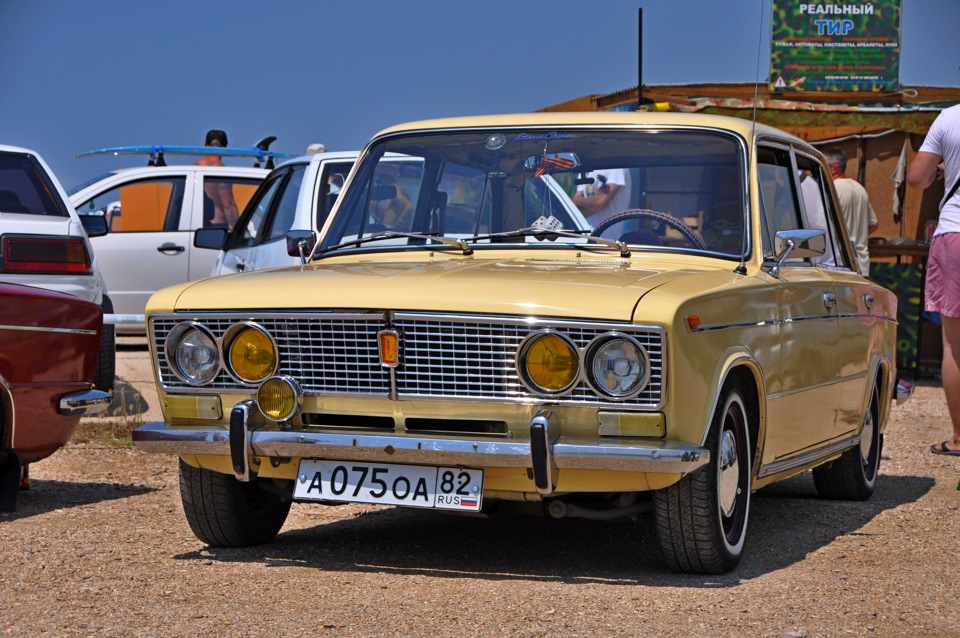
<point>446,488</point>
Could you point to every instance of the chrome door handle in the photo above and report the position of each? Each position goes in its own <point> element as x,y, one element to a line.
<point>868,301</point>
<point>829,300</point>
<point>169,247</point>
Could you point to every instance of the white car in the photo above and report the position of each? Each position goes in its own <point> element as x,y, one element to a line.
<point>286,216</point>
<point>297,196</point>
<point>44,243</point>
<point>151,214</point>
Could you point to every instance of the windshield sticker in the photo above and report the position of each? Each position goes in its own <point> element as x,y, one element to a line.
<point>552,135</point>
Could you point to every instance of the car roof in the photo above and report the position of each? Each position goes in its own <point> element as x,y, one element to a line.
<point>746,128</point>
<point>15,149</point>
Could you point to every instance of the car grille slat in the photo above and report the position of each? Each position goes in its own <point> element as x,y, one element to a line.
<point>442,357</point>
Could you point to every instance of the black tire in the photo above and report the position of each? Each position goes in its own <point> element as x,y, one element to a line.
<point>702,519</point>
<point>853,476</point>
<point>224,512</point>
<point>106,371</point>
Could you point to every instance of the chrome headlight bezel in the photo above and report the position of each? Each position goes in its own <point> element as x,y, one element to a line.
<point>523,370</point>
<point>287,386</point>
<point>597,346</point>
<point>172,350</point>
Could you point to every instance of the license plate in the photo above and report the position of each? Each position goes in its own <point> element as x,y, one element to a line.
<point>449,488</point>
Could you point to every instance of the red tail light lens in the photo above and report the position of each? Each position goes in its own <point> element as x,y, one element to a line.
<point>55,255</point>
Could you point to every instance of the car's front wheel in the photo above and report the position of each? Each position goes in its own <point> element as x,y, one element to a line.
<point>702,519</point>
<point>224,512</point>
<point>853,476</point>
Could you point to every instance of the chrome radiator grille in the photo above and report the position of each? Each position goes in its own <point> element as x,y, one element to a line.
<point>443,356</point>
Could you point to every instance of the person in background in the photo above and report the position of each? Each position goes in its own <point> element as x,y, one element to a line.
<point>607,195</point>
<point>939,155</point>
<point>219,205</point>
<point>855,207</point>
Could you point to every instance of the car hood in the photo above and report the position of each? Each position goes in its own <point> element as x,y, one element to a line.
<point>589,288</point>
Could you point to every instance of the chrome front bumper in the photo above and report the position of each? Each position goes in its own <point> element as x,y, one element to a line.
<point>542,452</point>
<point>85,403</point>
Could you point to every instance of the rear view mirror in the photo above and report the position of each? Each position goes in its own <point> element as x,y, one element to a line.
<point>210,238</point>
<point>95,225</point>
<point>550,163</point>
<point>300,243</point>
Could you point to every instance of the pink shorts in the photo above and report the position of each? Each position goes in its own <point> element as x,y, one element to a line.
<point>942,287</point>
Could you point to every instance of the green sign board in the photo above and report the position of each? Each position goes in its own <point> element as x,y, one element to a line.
<point>835,45</point>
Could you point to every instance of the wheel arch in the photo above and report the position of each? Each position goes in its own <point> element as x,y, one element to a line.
<point>743,371</point>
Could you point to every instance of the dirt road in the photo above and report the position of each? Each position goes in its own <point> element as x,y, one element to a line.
<point>99,546</point>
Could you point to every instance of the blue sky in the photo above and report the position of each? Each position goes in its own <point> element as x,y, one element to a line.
<point>78,75</point>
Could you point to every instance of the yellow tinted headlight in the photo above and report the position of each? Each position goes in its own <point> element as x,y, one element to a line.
<point>279,398</point>
<point>549,363</point>
<point>253,355</point>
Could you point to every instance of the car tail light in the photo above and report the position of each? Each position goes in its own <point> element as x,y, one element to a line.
<point>55,255</point>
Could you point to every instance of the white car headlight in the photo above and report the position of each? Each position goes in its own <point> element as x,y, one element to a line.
<point>617,366</point>
<point>192,353</point>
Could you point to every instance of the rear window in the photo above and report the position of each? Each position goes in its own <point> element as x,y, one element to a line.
<point>26,188</point>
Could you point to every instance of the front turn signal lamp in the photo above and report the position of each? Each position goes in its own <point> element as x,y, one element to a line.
<point>548,363</point>
<point>252,354</point>
<point>279,398</point>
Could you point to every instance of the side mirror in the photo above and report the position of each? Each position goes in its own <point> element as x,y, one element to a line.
<point>798,243</point>
<point>95,225</point>
<point>210,238</point>
<point>300,243</point>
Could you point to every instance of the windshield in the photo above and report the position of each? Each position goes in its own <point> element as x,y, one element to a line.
<point>653,189</point>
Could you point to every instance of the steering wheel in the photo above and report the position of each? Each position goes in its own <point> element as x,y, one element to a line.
<point>654,215</point>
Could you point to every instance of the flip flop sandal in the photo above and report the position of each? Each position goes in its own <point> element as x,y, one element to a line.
<point>941,448</point>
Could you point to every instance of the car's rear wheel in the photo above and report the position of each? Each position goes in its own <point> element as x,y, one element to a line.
<point>702,519</point>
<point>224,512</point>
<point>853,476</point>
<point>106,371</point>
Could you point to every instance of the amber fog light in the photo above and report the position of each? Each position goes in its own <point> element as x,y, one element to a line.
<point>252,355</point>
<point>279,398</point>
<point>549,363</point>
<point>617,366</point>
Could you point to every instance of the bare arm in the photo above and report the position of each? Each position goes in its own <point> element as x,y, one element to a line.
<point>923,169</point>
<point>590,205</point>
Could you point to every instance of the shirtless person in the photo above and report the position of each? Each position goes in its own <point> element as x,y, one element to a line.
<point>219,206</point>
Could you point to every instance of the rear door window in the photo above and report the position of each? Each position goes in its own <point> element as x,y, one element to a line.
<point>26,188</point>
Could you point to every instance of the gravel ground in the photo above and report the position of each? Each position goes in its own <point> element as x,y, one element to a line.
<point>99,546</point>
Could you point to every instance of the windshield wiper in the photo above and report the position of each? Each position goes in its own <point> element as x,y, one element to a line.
<point>390,234</point>
<point>537,232</point>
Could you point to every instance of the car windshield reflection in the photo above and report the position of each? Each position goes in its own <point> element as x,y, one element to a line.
<point>665,190</point>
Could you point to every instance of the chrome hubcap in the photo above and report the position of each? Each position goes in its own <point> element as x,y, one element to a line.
<point>729,473</point>
<point>866,438</point>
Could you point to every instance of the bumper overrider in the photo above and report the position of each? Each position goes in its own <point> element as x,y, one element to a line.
<point>250,436</point>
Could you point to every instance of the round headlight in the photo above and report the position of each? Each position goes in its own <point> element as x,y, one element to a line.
<point>549,363</point>
<point>252,355</point>
<point>617,366</point>
<point>279,398</point>
<point>193,354</point>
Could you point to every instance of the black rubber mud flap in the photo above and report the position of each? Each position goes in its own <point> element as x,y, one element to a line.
<point>10,469</point>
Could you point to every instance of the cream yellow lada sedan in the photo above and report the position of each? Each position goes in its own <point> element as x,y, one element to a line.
<point>591,314</point>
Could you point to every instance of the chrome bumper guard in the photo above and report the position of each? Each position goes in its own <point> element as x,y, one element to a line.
<point>541,453</point>
<point>85,403</point>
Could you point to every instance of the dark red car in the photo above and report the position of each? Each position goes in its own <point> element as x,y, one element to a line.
<point>49,344</point>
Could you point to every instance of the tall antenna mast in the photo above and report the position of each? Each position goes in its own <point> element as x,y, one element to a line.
<point>639,57</point>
